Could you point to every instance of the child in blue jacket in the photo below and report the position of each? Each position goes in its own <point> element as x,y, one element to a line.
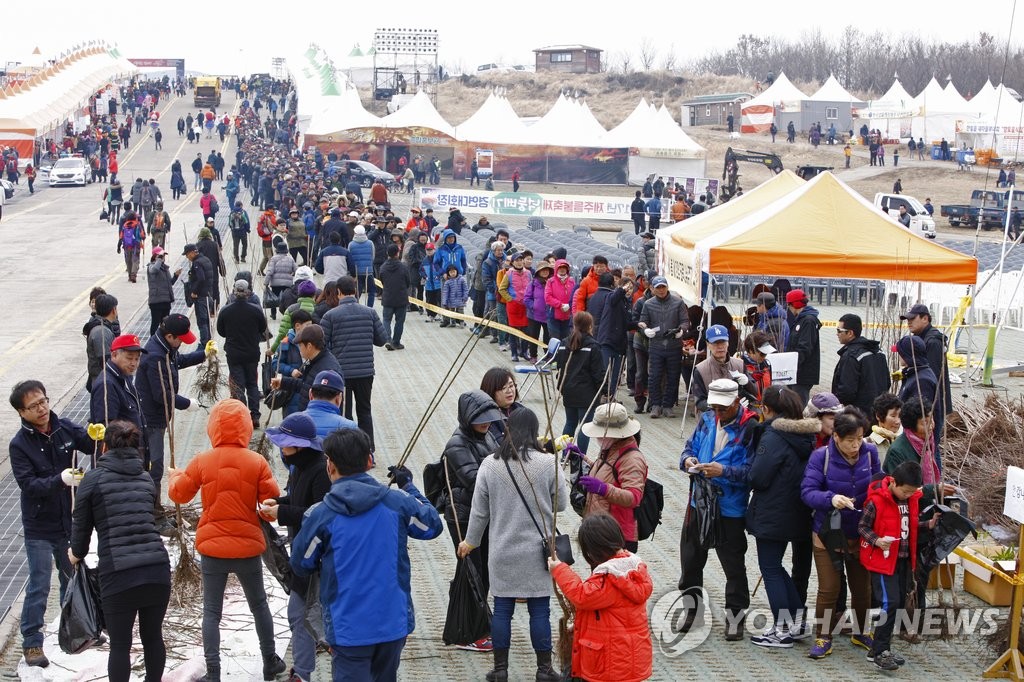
<point>431,277</point>
<point>454,294</point>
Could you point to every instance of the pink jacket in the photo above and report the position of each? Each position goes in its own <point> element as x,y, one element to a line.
<point>556,293</point>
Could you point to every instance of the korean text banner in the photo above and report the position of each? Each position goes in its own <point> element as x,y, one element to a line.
<point>526,204</point>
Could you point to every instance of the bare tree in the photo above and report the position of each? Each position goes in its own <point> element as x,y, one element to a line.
<point>648,53</point>
<point>669,63</point>
<point>624,61</point>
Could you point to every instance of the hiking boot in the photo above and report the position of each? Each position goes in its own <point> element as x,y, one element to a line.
<point>864,641</point>
<point>822,647</point>
<point>500,671</point>
<point>545,673</point>
<point>896,657</point>
<point>482,644</point>
<point>34,656</point>
<point>656,412</point>
<point>885,661</point>
<point>212,673</point>
<point>272,667</point>
<point>667,413</point>
<point>734,631</point>
<point>774,638</point>
<point>399,346</point>
<point>389,345</point>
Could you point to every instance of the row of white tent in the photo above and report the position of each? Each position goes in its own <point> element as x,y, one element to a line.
<point>992,117</point>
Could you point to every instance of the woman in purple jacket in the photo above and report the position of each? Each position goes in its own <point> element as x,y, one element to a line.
<point>537,308</point>
<point>836,480</point>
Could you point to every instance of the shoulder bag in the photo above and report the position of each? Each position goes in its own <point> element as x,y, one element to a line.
<point>563,547</point>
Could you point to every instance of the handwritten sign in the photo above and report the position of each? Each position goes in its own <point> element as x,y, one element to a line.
<point>1014,504</point>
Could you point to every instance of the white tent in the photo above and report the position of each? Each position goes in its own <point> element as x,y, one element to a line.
<point>342,112</point>
<point>658,145</point>
<point>935,120</point>
<point>892,113</point>
<point>419,113</point>
<point>994,122</point>
<point>954,100</point>
<point>832,91</point>
<point>758,113</point>
<point>494,121</point>
<point>566,124</point>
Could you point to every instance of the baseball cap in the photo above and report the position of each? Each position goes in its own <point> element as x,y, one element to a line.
<point>796,298</point>
<point>659,281</point>
<point>915,310</point>
<point>241,286</point>
<point>189,248</point>
<point>430,246</point>
<point>765,298</point>
<point>723,392</point>
<point>127,342</point>
<point>179,326</point>
<point>157,251</point>
<point>716,333</point>
<point>353,214</point>
<point>330,380</point>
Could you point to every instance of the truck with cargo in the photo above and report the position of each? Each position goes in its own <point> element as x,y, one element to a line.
<point>207,91</point>
<point>987,208</point>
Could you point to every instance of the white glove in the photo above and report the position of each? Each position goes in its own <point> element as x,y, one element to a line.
<point>193,406</point>
<point>71,477</point>
<point>565,307</point>
<point>650,333</point>
<point>679,334</point>
<point>739,377</point>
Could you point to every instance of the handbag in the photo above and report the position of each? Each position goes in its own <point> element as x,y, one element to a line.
<point>104,215</point>
<point>271,299</point>
<point>563,547</point>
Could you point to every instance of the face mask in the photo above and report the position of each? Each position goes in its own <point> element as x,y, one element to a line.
<point>563,276</point>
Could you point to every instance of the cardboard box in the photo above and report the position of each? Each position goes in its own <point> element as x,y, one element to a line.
<point>944,574</point>
<point>985,584</point>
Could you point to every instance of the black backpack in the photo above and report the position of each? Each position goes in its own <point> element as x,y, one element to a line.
<point>648,512</point>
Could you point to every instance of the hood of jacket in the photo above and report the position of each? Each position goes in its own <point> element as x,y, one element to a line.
<point>125,461</point>
<point>360,238</point>
<point>859,345</point>
<point>807,311</point>
<point>230,424</point>
<point>449,233</point>
<point>471,405</point>
<point>354,495</point>
<point>777,311</point>
<point>629,576</point>
<point>799,433</point>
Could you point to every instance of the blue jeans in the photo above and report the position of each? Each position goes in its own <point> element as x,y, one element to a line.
<point>610,356</point>
<point>782,595</point>
<point>303,646</point>
<point>398,313</point>
<point>559,329</point>
<point>41,556</point>
<point>501,317</point>
<point>540,622</point>
<point>574,416</point>
<point>371,663</point>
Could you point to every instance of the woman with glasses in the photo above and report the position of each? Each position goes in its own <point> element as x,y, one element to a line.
<point>500,384</point>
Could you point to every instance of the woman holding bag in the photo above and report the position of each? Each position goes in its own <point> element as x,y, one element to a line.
<point>518,489</point>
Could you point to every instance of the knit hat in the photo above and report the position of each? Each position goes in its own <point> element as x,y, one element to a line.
<point>307,288</point>
<point>302,273</point>
<point>910,347</point>
<point>823,403</point>
<point>796,298</point>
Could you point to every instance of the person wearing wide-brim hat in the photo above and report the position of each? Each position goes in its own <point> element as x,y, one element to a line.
<point>308,483</point>
<point>618,474</point>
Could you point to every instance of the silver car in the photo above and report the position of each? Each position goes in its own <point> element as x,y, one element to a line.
<point>69,171</point>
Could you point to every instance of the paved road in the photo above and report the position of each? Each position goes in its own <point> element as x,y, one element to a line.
<point>42,339</point>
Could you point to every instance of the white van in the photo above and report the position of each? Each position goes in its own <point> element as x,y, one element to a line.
<point>920,222</point>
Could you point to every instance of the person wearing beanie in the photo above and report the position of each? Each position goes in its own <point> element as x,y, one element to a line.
<point>396,279</point>
<point>306,290</point>
<point>804,339</point>
<point>363,255</point>
<point>291,295</point>
<point>243,327</point>
<point>823,406</point>
<point>279,272</point>
<point>919,381</point>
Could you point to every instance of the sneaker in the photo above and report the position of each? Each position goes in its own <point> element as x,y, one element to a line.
<point>482,644</point>
<point>294,677</point>
<point>34,656</point>
<point>773,638</point>
<point>389,346</point>
<point>656,412</point>
<point>863,641</point>
<point>885,661</point>
<point>667,413</point>
<point>503,347</point>
<point>896,657</point>
<point>822,648</point>
<point>399,346</point>
<point>800,631</point>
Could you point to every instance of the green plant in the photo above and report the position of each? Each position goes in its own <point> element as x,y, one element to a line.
<point>1005,554</point>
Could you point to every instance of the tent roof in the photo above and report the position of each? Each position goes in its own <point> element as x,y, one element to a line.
<point>419,112</point>
<point>954,100</point>
<point>841,235</point>
<point>782,90</point>
<point>832,91</point>
<point>343,112</point>
<point>896,93</point>
<point>649,128</point>
<point>568,123</point>
<point>931,96</point>
<point>494,121</point>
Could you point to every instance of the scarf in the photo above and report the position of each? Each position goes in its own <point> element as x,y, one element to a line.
<point>929,468</point>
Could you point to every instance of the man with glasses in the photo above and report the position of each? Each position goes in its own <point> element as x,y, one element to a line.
<point>44,465</point>
<point>862,373</point>
<point>717,451</point>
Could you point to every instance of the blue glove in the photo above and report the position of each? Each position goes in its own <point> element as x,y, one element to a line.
<point>594,485</point>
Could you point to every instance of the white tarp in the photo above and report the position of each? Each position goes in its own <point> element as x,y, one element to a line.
<point>419,113</point>
<point>757,114</point>
<point>494,121</point>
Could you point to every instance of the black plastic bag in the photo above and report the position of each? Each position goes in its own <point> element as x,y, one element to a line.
<point>706,505</point>
<point>938,543</point>
<point>81,615</point>
<point>469,615</point>
<point>577,467</point>
<point>275,556</point>
<point>314,618</point>
<point>834,539</point>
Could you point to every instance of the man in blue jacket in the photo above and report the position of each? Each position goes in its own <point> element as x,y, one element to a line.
<point>42,459</point>
<point>324,408</point>
<point>717,450</point>
<point>450,252</point>
<point>357,538</point>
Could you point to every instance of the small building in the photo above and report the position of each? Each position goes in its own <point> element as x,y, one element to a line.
<point>568,59</point>
<point>708,110</point>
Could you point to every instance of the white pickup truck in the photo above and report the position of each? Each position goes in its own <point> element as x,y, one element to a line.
<point>920,222</point>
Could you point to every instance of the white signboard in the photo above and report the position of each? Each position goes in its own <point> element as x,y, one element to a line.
<point>784,368</point>
<point>528,204</point>
<point>1014,504</point>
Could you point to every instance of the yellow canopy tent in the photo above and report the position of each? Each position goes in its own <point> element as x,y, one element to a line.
<point>819,229</point>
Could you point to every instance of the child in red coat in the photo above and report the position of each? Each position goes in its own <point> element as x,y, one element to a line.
<point>611,640</point>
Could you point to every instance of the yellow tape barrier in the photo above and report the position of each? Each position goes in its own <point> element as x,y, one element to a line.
<point>989,565</point>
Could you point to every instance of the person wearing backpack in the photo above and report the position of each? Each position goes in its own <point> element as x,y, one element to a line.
<point>862,373</point>
<point>265,231</point>
<point>238,223</point>
<point>130,240</point>
<point>618,474</point>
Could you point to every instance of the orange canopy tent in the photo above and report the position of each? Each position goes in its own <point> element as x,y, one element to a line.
<point>821,228</point>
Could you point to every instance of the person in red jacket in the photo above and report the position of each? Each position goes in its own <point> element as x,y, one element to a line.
<point>611,641</point>
<point>888,550</point>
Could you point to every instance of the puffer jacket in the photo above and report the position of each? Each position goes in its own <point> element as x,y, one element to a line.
<point>304,303</point>
<point>280,271</point>
<point>297,237</point>
<point>363,254</point>
<point>536,307</point>
<point>842,478</point>
<point>157,379</point>
<point>517,282</point>
<point>611,640</point>
<point>450,254</point>
<point>588,286</point>
<point>580,372</point>
<point>117,499</point>
<point>161,282</point>
<point>351,330</point>
<point>775,511</point>
<point>668,313</point>
<point>463,454</point>
<point>557,292</point>
<point>624,469</point>
<point>233,480</point>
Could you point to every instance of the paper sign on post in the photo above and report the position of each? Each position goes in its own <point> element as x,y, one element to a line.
<point>1014,504</point>
<point>783,367</point>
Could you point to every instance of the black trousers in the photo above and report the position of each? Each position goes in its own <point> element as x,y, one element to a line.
<point>731,554</point>
<point>889,595</point>
<point>157,312</point>
<point>149,603</point>
<point>243,382</point>
<point>360,390</point>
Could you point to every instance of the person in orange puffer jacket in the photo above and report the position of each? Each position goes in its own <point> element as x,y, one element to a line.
<point>611,640</point>
<point>233,480</point>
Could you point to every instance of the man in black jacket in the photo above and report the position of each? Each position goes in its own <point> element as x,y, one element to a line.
<point>42,462</point>
<point>638,211</point>
<point>114,395</point>
<point>613,330</point>
<point>862,373</point>
<point>200,278</point>
<point>396,280</point>
<point>315,359</point>
<point>243,327</point>
<point>919,321</point>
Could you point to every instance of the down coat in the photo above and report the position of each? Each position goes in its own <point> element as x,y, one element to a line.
<point>775,511</point>
<point>463,454</point>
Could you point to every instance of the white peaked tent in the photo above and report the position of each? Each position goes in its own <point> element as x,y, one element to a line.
<point>832,91</point>
<point>657,144</point>
<point>342,112</point>
<point>419,112</point>
<point>494,121</point>
<point>994,122</point>
<point>566,124</point>
<point>985,99</point>
<point>954,100</point>
<point>892,113</point>
<point>935,120</point>
<point>758,113</point>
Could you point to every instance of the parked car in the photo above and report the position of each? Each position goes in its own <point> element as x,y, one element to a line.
<point>8,188</point>
<point>920,222</point>
<point>987,207</point>
<point>366,173</point>
<point>69,171</point>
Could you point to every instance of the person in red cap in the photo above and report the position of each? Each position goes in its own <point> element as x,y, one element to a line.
<point>804,339</point>
<point>114,395</point>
